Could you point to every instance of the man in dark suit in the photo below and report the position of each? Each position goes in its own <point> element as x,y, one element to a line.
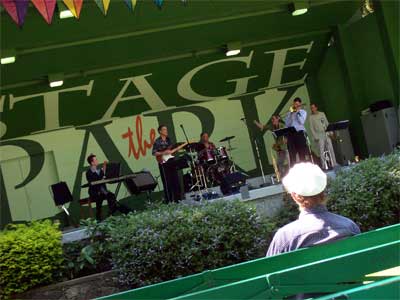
<point>99,192</point>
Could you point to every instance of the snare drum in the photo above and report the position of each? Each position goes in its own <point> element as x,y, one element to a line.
<point>208,156</point>
<point>222,154</point>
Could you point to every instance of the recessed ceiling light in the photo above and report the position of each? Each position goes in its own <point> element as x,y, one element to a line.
<point>63,10</point>
<point>64,14</point>
<point>56,80</point>
<point>298,8</point>
<point>8,56</point>
<point>232,49</point>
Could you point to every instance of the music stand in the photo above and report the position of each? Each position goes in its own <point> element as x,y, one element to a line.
<point>61,195</point>
<point>284,132</point>
<point>113,170</point>
<point>338,126</point>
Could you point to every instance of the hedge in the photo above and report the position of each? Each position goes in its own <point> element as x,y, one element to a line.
<point>369,192</point>
<point>175,240</point>
<point>30,255</point>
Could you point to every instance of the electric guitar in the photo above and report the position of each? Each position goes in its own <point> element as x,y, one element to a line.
<point>162,159</point>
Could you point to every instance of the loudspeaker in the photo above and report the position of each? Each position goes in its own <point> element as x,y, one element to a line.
<point>231,183</point>
<point>61,193</point>
<point>381,131</point>
<point>343,147</point>
<point>143,182</point>
<point>379,105</point>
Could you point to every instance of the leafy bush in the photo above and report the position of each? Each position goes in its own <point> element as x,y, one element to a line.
<point>84,258</point>
<point>369,192</point>
<point>29,255</point>
<point>176,240</point>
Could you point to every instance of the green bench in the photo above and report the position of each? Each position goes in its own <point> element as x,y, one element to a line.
<point>324,276</point>
<point>251,276</point>
<point>383,289</point>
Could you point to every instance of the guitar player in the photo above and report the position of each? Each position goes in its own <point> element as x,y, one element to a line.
<point>169,174</point>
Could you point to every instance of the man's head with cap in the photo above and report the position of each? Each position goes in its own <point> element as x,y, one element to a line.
<point>306,183</point>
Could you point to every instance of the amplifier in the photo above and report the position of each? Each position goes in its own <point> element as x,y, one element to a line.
<point>142,182</point>
<point>231,183</point>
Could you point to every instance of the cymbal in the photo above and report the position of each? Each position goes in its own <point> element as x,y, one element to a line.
<point>228,138</point>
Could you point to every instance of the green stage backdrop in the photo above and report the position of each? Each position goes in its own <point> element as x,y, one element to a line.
<point>115,115</point>
<point>112,104</point>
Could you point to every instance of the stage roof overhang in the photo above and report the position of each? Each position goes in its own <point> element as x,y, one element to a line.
<point>95,43</point>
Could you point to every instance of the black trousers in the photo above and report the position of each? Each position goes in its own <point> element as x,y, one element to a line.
<point>297,144</point>
<point>170,180</point>
<point>113,205</point>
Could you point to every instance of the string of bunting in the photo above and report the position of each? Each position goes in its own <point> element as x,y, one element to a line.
<point>17,9</point>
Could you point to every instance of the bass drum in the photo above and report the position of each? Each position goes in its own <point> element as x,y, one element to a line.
<point>216,173</point>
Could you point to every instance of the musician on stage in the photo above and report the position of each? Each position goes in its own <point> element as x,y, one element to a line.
<point>318,125</point>
<point>99,192</point>
<point>169,174</point>
<point>205,140</point>
<point>297,142</point>
<point>279,148</point>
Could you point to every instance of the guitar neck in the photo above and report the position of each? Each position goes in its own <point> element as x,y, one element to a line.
<point>178,148</point>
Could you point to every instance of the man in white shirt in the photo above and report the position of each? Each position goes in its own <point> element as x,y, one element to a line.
<point>318,125</point>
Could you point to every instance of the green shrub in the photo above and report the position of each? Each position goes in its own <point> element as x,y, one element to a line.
<point>176,240</point>
<point>369,192</point>
<point>85,257</point>
<point>30,255</point>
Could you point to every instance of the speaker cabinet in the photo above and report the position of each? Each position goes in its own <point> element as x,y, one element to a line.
<point>381,131</point>
<point>343,147</point>
<point>143,182</point>
<point>231,183</point>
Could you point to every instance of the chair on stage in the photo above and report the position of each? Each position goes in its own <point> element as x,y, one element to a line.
<point>85,201</point>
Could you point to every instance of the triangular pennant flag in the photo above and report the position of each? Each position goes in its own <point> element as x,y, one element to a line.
<point>159,3</point>
<point>11,9</point>
<point>131,4</point>
<point>74,6</point>
<point>103,5</point>
<point>16,9</point>
<point>22,8</point>
<point>45,8</point>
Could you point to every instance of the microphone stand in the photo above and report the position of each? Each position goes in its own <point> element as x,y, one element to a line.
<point>258,155</point>
<point>194,165</point>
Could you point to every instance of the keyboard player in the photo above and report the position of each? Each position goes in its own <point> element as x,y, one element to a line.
<point>99,192</point>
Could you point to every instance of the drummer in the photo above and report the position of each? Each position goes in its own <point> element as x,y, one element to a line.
<point>206,150</point>
<point>205,140</point>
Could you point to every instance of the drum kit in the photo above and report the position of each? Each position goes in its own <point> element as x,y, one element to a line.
<point>208,166</point>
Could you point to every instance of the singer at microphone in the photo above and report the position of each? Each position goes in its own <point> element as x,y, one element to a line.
<point>297,143</point>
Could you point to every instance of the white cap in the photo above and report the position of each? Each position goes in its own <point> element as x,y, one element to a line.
<point>305,179</point>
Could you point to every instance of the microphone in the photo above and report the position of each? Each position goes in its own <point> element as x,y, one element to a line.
<point>181,126</point>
